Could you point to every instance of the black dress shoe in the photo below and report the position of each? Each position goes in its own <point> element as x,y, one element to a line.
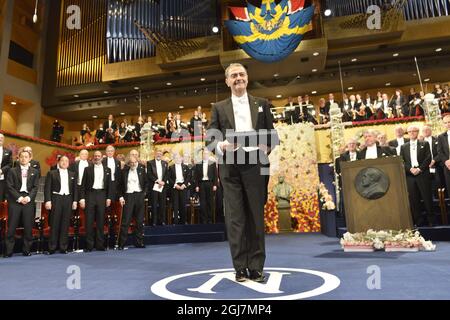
<point>100,249</point>
<point>87,250</point>
<point>141,246</point>
<point>49,252</point>
<point>120,248</point>
<point>241,275</point>
<point>257,276</point>
<point>26,254</point>
<point>7,255</point>
<point>63,251</point>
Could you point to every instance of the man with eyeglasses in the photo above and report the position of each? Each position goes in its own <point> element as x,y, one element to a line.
<point>417,157</point>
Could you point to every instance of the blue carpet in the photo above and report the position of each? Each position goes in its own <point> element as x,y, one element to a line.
<point>131,273</point>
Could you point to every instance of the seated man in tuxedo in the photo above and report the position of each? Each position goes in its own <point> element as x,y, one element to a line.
<point>417,157</point>
<point>206,185</point>
<point>22,184</point>
<point>372,150</point>
<point>110,127</point>
<point>399,140</point>
<point>290,111</point>
<point>60,197</point>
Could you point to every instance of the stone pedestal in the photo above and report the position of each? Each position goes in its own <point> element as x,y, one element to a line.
<point>284,219</point>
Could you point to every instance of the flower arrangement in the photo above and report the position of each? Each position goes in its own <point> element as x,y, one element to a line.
<point>389,240</point>
<point>271,215</point>
<point>326,200</point>
<point>305,211</point>
<point>296,159</point>
<point>52,159</point>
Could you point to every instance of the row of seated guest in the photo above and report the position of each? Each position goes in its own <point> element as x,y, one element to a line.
<point>425,157</point>
<point>108,132</point>
<point>196,127</point>
<point>357,108</point>
<point>93,185</point>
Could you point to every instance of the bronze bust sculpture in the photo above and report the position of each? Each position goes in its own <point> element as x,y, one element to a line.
<point>282,191</point>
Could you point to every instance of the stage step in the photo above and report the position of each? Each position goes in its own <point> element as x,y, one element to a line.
<point>437,233</point>
<point>171,234</point>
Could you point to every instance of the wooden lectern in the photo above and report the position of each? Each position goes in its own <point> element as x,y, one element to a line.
<point>385,211</point>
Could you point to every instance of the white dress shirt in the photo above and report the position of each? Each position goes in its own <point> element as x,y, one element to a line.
<point>24,171</point>
<point>430,142</point>
<point>353,156</point>
<point>242,116</point>
<point>371,152</point>
<point>98,177</point>
<point>112,165</point>
<point>205,170</point>
<point>346,104</point>
<point>385,106</point>
<point>81,165</point>
<point>64,175</point>
<point>2,176</point>
<point>400,142</point>
<point>159,169</point>
<point>413,152</point>
<point>109,123</point>
<point>133,181</point>
<point>179,173</point>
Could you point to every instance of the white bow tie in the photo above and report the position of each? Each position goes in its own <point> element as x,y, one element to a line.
<point>241,100</point>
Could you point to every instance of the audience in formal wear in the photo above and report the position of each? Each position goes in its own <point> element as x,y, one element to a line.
<point>22,185</point>
<point>6,163</point>
<point>399,140</point>
<point>417,158</point>
<point>132,190</point>
<point>179,180</point>
<point>95,197</point>
<point>60,198</point>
